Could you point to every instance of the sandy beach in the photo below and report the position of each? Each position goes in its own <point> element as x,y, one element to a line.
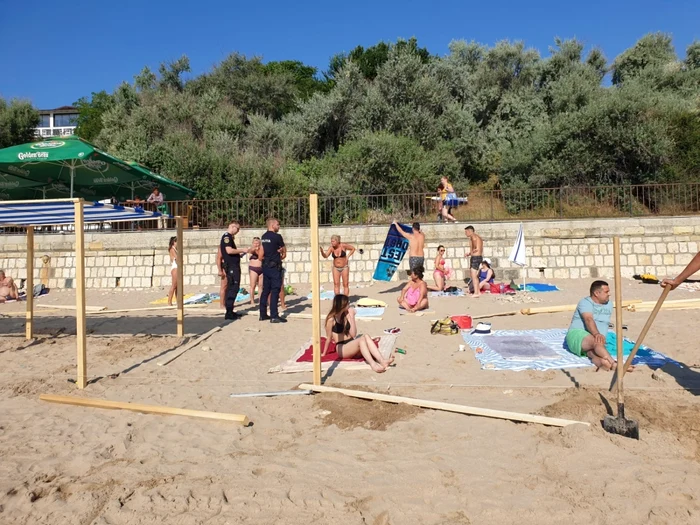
<point>328,458</point>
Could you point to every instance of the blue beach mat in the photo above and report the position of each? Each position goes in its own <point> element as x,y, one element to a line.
<point>455,293</point>
<point>367,311</point>
<point>546,350</point>
<point>539,287</point>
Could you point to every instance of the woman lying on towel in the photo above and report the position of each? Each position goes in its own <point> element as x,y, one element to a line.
<point>341,328</point>
<point>414,296</point>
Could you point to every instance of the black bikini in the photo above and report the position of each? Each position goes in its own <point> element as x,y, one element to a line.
<point>342,254</point>
<point>339,328</point>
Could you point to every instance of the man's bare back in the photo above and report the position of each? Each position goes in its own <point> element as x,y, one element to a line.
<point>416,245</point>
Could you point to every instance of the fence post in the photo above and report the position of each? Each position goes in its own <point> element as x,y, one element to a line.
<point>631,211</point>
<point>561,203</point>
<point>491,199</point>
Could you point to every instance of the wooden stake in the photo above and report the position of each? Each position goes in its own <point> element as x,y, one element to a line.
<point>192,344</point>
<point>146,409</point>
<point>565,308</point>
<point>315,288</point>
<point>180,279</point>
<point>80,331</point>
<point>151,309</point>
<point>449,407</point>
<point>501,314</point>
<point>29,283</point>
<point>618,320</point>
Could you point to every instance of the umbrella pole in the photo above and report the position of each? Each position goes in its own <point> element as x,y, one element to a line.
<point>72,176</point>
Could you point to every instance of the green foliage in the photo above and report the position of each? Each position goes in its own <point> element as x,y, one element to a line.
<point>90,114</point>
<point>18,120</point>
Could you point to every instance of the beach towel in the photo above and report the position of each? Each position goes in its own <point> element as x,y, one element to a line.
<point>365,311</point>
<point>302,360</point>
<point>326,295</point>
<point>393,252</point>
<point>539,287</point>
<point>560,357</point>
<point>454,293</point>
<point>368,301</point>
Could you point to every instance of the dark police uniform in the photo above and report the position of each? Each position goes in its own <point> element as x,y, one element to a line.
<point>232,267</point>
<point>272,272</point>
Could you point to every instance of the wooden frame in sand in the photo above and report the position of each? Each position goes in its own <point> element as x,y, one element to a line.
<point>79,223</point>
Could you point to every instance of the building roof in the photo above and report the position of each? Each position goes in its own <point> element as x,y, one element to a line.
<point>62,109</point>
<point>62,212</point>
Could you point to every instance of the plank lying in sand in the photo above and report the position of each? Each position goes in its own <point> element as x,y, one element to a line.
<point>566,308</point>
<point>191,345</point>
<point>500,314</point>
<point>149,309</point>
<point>449,407</point>
<point>70,307</point>
<point>146,409</point>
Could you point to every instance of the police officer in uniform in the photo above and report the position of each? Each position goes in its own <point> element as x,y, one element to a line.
<point>274,250</point>
<point>232,266</point>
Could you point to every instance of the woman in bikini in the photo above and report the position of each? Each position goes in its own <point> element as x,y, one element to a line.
<point>486,275</point>
<point>446,194</point>
<point>440,272</point>
<point>255,268</point>
<point>341,328</point>
<point>172,251</point>
<point>414,295</point>
<point>340,252</point>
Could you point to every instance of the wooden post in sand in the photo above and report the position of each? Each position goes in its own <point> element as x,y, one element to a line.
<point>80,332</point>
<point>180,279</point>
<point>315,288</point>
<point>29,283</point>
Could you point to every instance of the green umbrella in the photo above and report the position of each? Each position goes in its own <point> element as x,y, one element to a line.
<point>15,187</point>
<point>82,167</point>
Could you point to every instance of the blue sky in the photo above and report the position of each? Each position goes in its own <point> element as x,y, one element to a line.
<point>52,53</point>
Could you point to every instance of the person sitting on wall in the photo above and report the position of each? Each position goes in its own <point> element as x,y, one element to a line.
<point>589,326</point>
<point>8,288</point>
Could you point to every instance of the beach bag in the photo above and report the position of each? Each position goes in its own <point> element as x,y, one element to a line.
<point>444,326</point>
<point>463,322</point>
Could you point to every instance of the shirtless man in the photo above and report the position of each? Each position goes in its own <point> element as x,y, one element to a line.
<point>416,245</point>
<point>476,252</point>
<point>8,288</point>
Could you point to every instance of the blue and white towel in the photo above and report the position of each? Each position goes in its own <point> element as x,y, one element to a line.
<point>326,295</point>
<point>554,339</point>
<point>455,293</point>
<point>367,311</point>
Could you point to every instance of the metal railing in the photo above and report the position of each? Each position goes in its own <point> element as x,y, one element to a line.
<point>497,205</point>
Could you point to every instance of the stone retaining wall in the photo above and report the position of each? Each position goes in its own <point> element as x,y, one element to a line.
<point>556,249</point>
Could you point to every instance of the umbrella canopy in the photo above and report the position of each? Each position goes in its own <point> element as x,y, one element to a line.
<point>517,254</point>
<point>83,168</point>
<point>15,187</point>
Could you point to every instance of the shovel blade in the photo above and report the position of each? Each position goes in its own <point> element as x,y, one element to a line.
<point>621,426</point>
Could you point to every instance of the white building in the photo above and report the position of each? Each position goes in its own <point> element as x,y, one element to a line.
<point>57,122</point>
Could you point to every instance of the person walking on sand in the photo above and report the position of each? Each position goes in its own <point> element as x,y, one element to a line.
<point>341,252</point>
<point>232,266</point>
<point>693,267</point>
<point>416,245</point>
<point>172,251</point>
<point>341,329</point>
<point>414,296</point>
<point>476,252</point>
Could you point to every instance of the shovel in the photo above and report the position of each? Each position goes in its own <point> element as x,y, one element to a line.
<point>619,425</point>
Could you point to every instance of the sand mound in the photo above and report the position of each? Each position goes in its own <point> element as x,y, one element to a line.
<point>349,412</point>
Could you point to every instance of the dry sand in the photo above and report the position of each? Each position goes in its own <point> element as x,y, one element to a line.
<point>328,458</point>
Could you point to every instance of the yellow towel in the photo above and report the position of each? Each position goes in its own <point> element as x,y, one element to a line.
<point>164,300</point>
<point>368,301</point>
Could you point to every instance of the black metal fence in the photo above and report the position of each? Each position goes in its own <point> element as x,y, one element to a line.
<point>496,205</point>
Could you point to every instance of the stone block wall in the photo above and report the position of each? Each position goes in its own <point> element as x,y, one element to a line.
<point>572,249</point>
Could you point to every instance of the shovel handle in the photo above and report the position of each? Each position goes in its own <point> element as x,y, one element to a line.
<point>648,324</point>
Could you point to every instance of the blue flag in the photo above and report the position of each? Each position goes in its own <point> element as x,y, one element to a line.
<point>392,254</point>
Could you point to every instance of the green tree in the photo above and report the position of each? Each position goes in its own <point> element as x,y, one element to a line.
<point>90,113</point>
<point>18,122</point>
<point>654,50</point>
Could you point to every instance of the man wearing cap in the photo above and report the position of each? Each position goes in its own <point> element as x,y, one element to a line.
<point>232,266</point>
<point>476,252</point>
<point>416,246</point>
<point>587,333</point>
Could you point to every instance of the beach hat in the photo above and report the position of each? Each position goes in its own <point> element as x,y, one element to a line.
<point>487,261</point>
<point>482,329</point>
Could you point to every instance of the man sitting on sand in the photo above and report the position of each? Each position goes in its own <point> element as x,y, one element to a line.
<point>8,288</point>
<point>589,326</point>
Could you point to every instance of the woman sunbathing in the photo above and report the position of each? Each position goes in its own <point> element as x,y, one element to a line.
<point>341,328</point>
<point>414,295</point>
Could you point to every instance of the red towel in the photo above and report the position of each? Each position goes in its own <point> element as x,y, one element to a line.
<point>332,355</point>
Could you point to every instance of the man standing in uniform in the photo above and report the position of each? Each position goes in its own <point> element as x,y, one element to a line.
<point>232,266</point>
<point>274,251</point>
<point>416,244</point>
<point>476,251</point>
